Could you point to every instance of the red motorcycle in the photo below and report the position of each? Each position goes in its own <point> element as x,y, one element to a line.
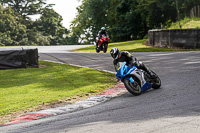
<point>102,44</point>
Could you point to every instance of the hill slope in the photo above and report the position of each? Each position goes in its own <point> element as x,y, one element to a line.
<point>187,23</point>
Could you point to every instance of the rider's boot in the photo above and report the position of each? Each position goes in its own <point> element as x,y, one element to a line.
<point>141,65</point>
<point>151,74</point>
<point>149,71</point>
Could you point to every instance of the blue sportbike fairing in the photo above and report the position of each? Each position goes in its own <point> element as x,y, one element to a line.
<point>126,72</point>
<point>123,71</point>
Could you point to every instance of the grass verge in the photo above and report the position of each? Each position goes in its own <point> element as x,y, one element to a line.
<point>23,89</point>
<point>187,23</point>
<point>132,46</point>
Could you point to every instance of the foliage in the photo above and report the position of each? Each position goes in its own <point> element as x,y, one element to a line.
<point>187,23</point>
<point>86,24</point>
<point>185,6</point>
<point>12,32</point>
<point>25,7</point>
<point>50,25</point>
<point>124,19</point>
<point>16,27</point>
<point>127,19</point>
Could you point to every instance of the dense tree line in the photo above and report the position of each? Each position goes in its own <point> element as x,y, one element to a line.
<point>124,20</point>
<point>17,28</point>
<point>127,19</point>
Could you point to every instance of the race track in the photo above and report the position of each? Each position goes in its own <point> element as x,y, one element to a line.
<point>174,108</point>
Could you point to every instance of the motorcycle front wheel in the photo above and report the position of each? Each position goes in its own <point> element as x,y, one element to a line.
<point>97,49</point>
<point>133,88</point>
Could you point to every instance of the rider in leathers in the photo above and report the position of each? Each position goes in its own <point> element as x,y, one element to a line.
<point>101,32</point>
<point>121,56</point>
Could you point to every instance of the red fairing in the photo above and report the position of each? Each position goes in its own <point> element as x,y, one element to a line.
<point>104,39</point>
<point>102,44</point>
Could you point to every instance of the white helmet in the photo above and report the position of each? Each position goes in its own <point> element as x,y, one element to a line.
<point>114,52</point>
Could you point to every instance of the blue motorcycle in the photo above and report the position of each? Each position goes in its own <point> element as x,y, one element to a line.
<point>136,80</point>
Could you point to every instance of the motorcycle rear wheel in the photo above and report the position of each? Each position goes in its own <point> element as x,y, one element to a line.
<point>133,88</point>
<point>156,81</point>
<point>105,47</point>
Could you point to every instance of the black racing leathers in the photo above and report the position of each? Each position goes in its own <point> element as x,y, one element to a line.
<point>102,32</point>
<point>130,60</point>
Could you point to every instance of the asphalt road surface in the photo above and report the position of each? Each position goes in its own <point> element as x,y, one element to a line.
<point>175,108</point>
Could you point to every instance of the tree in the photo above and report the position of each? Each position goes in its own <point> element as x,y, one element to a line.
<point>127,19</point>
<point>18,29</point>
<point>12,32</point>
<point>156,13</point>
<point>26,7</point>
<point>185,6</point>
<point>125,22</point>
<point>50,25</point>
<point>92,15</point>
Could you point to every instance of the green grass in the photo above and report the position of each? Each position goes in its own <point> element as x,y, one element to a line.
<point>26,88</point>
<point>187,23</point>
<point>131,46</point>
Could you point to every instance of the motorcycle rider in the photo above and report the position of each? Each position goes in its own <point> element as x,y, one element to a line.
<point>121,56</point>
<point>101,32</point>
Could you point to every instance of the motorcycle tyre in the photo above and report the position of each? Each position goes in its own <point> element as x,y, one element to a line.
<point>97,50</point>
<point>157,84</point>
<point>128,84</point>
<point>105,47</point>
